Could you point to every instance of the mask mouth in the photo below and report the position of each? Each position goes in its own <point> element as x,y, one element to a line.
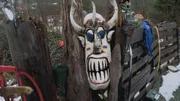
<point>98,70</point>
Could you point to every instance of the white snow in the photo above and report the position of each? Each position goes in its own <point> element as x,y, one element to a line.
<point>170,84</point>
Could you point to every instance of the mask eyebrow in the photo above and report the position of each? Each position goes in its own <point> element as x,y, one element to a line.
<point>100,27</point>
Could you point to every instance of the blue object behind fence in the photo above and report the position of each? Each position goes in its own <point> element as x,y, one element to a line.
<point>147,37</point>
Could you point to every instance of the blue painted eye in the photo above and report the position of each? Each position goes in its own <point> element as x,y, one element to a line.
<point>101,34</point>
<point>90,37</point>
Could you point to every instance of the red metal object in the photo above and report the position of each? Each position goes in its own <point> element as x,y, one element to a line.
<point>14,70</point>
<point>61,43</point>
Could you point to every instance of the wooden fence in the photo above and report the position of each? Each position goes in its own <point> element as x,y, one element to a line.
<point>144,66</point>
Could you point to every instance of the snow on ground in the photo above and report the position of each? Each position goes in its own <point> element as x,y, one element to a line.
<point>170,84</point>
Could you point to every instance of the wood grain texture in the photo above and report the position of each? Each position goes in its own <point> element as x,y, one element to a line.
<point>115,73</point>
<point>78,88</point>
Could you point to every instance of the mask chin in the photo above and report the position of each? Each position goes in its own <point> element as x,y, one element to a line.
<point>99,86</point>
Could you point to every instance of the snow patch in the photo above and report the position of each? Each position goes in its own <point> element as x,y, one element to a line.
<point>170,84</point>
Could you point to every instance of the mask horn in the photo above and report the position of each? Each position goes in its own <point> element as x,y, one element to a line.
<point>93,13</point>
<point>112,22</point>
<point>76,27</point>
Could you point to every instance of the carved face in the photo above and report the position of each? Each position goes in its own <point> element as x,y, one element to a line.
<point>97,53</point>
<point>96,40</point>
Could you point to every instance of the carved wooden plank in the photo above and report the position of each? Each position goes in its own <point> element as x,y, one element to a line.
<point>168,50</point>
<point>135,67</point>
<point>168,26</point>
<point>169,57</point>
<point>166,42</point>
<point>138,76</point>
<point>136,52</point>
<point>136,36</point>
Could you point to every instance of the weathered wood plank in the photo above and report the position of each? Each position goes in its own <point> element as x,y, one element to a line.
<point>136,52</point>
<point>141,95</point>
<point>169,57</point>
<point>155,61</point>
<point>154,53</point>
<point>150,85</point>
<point>175,62</point>
<point>136,36</point>
<point>154,32</point>
<point>140,84</point>
<point>154,44</point>
<point>168,26</point>
<point>136,78</point>
<point>165,34</point>
<point>115,73</point>
<point>152,74</point>
<point>135,67</point>
<point>167,42</point>
<point>168,50</point>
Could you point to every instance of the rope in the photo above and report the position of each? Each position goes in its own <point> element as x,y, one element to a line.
<point>159,49</point>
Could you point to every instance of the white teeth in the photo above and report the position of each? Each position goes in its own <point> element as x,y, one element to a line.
<point>100,96</point>
<point>93,77</point>
<point>106,76</point>
<point>105,63</point>
<point>105,94</point>
<point>108,72</point>
<point>97,73</point>
<point>102,75</point>
<point>100,63</point>
<point>98,77</point>
<point>96,67</point>
<point>90,66</point>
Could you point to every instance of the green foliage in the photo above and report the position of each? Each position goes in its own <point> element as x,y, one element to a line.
<point>169,8</point>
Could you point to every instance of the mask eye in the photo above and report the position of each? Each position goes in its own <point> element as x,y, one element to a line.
<point>90,36</point>
<point>101,34</point>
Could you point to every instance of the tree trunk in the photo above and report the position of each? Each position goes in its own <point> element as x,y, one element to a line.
<point>30,53</point>
<point>78,88</point>
<point>115,73</point>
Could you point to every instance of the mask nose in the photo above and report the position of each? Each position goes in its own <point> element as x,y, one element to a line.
<point>97,46</point>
